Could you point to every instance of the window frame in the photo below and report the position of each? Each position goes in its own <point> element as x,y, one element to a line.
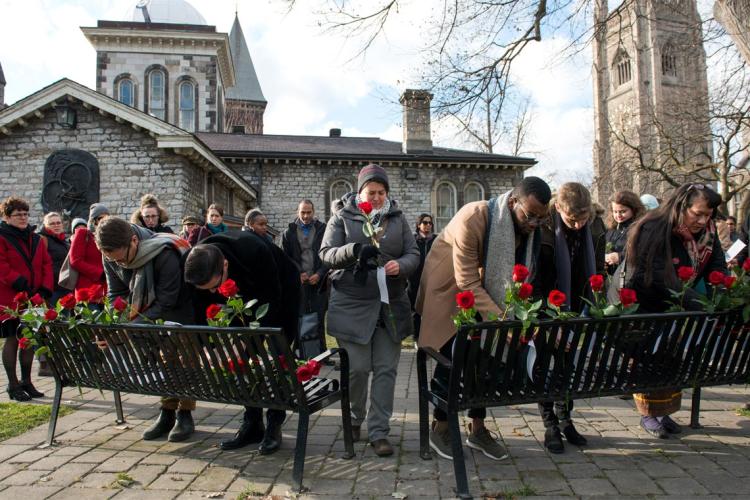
<point>149,98</point>
<point>439,220</point>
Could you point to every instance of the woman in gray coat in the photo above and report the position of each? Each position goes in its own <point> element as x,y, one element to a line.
<point>369,330</point>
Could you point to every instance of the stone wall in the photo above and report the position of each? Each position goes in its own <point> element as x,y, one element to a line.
<point>130,164</point>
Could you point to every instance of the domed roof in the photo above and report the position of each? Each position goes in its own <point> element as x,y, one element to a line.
<point>167,11</point>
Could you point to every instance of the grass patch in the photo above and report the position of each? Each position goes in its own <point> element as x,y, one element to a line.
<point>123,480</point>
<point>17,418</point>
<point>743,412</point>
<point>250,492</point>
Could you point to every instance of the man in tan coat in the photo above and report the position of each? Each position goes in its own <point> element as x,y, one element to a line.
<point>477,251</point>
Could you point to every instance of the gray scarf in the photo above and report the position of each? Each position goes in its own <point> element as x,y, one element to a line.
<point>562,256</point>
<point>500,250</point>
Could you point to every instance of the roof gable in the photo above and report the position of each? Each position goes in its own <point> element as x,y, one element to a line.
<point>247,87</point>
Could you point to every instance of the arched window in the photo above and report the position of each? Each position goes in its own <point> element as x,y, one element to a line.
<point>445,204</point>
<point>473,191</point>
<point>157,99</point>
<point>621,68</point>
<point>187,106</point>
<point>668,61</point>
<point>126,91</point>
<point>339,188</point>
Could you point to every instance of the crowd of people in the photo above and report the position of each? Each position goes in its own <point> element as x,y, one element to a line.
<point>368,278</point>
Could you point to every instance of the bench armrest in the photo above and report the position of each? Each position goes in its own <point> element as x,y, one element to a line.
<point>437,356</point>
<point>326,354</point>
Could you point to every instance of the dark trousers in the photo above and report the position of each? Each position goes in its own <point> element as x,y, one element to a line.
<point>440,380</point>
<point>556,414</point>
<point>253,415</point>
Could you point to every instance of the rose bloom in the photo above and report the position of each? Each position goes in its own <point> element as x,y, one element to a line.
<point>229,288</point>
<point>50,315</point>
<point>716,278</point>
<point>68,301</point>
<point>314,366</point>
<point>520,273</point>
<point>83,295</point>
<point>556,298</point>
<point>96,293</point>
<point>304,373</point>
<point>212,311</point>
<point>627,297</point>
<point>685,273</point>
<point>282,362</point>
<point>24,343</point>
<point>37,300</point>
<point>119,304</point>
<point>729,281</point>
<point>465,300</point>
<point>597,282</point>
<point>365,207</point>
<point>21,297</point>
<point>746,265</point>
<point>525,290</point>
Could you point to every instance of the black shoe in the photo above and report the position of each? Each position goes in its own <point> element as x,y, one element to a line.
<point>248,433</point>
<point>18,394</point>
<point>29,388</point>
<point>183,426</point>
<point>271,439</point>
<point>164,423</point>
<point>44,370</point>
<point>553,440</point>
<point>670,425</point>
<point>572,435</point>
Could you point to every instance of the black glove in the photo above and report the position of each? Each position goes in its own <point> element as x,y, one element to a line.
<point>21,284</point>
<point>368,259</point>
<point>44,293</point>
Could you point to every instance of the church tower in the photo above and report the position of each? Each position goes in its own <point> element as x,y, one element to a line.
<point>650,96</point>
<point>244,103</point>
<point>2,88</point>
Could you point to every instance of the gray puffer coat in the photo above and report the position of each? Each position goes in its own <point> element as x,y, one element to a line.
<point>353,309</point>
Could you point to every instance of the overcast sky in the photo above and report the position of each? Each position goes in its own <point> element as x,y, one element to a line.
<point>310,78</point>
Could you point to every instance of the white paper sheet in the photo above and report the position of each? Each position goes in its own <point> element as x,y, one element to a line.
<point>382,285</point>
<point>735,249</point>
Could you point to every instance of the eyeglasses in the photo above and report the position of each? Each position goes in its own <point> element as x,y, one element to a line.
<point>428,222</point>
<point>699,187</point>
<point>120,261</point>
<point>531,219</point>
<point>20,215</point>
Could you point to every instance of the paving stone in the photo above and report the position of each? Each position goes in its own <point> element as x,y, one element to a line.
<point>120,462</point>
<point>23,477</point>
<point>329,486</point>
<point>592,486</point>
<point>258,487</point>
<point>633,482</point>
<point>214,479</point>
<point>76,494</point>
<point>68,474</point>
<point>681,486</point>
<point>95,480</point>
<point>96,456</point>
<point>30,456</point>
<point>369,481</point>
<point>172,481</point>
<point>144,475</point>
<point>546,482</point>
<point>30,492</point>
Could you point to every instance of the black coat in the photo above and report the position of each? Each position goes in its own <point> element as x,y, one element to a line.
<point>654,296</point>
<point>618,239</point>
<point>293,250</point>
<point>58,249</point>
<point>424,245</point>
<point>262,271</point>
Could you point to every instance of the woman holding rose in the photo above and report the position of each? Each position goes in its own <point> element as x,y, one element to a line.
<point>370,331</point>
<point>670,245</point>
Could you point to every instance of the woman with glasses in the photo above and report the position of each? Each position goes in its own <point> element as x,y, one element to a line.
<point>85,257</point>
<point>625,208</point>
<point>58,247</point>
<point>151,215</point>
<point>679,233</point>
<point>424,236</point>
<point>25,268</point>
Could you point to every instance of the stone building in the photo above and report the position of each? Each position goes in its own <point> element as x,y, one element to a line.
<point>66,146</point>
<point>650,96</point>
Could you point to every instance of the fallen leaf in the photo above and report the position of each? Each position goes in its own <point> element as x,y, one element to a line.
<point>217,494</point>
<point>123,427</point>
<point>399,495</point>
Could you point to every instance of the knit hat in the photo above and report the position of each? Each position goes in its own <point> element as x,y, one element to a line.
<point>190,219</point>
<point>372,172</point>
<point>649,201</point>
<point>77,222</point>
<point>97,210</point>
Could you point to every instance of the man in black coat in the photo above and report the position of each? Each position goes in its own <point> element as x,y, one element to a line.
<point>301,243</point>
<point>261,271</point>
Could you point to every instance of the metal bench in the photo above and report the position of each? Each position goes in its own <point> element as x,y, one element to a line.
<point>238,366</point>
<point>581,358</point>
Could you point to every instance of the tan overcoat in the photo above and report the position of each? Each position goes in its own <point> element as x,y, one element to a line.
<point>453,265</point>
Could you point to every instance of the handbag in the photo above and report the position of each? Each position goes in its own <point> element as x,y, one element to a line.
<point>309,338</point>
<point>617,282</point>
<point>68,277</point>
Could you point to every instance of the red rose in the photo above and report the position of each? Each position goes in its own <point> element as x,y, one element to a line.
<point>314,366</point>
<point>37,300</point>
<point>520,273</point>
<point>525,290</point>
<point>229,288</point>
<point>83,295</point>
<point>68,301</point>
<point>716,278</point>
<point>96,293</point>
<point>556,298</point>
<point>282,362</point>
<point>212,311</point>
<point>24,343</point>
<point>304,373</point>
<point>597,282</point>
<point>685,273</point>
<point>50,315</point>
<point>729,281</point>
<point>21,297</point>
<point>746,265</point>
<point>627,297</point>
<point>240,365</point>
<point>465,300</point>
<point>523,340</point>
<point>120,304</point>
<point>366,207</point>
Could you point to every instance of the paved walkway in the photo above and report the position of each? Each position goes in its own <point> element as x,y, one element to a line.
<point>620,460</point>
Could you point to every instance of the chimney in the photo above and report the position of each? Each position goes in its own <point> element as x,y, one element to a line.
<point>334,132</point>
<point>417,138</point>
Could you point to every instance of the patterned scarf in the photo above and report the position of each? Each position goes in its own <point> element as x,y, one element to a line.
<point>699,251</point>
<point>376,216</point>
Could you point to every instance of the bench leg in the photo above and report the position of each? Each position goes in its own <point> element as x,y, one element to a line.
<point>118,408</point>
<point>299,451</point>
<point>346,420</point>
<point>695,409</point>
<point>424,427</point>
<point>55,413</point>
<point>459,467</point>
